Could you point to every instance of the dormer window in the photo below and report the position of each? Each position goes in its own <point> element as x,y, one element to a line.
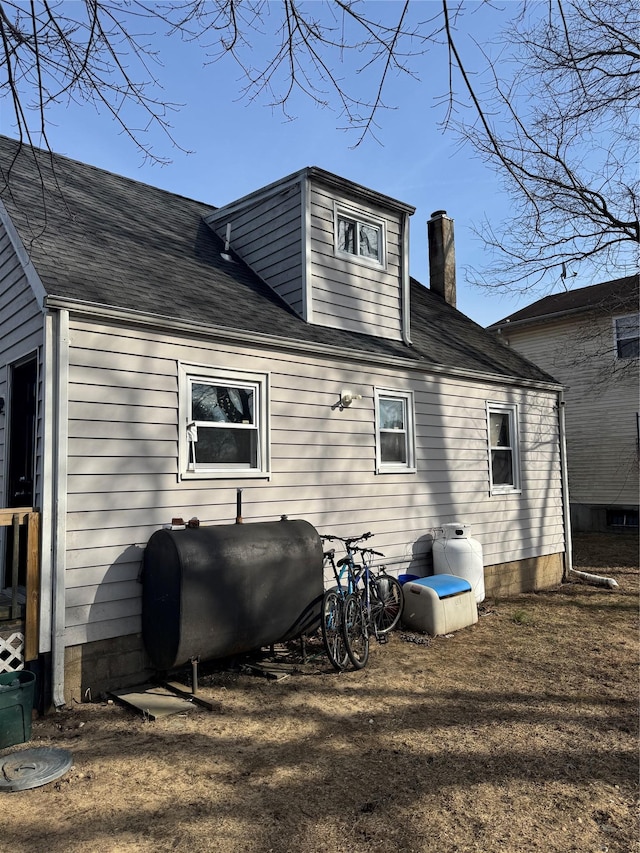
<point>360,236</point>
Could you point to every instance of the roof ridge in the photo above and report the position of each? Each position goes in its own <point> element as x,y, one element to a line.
<point>570,301</point>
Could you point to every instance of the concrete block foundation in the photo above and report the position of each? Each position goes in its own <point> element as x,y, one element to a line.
<point>506,579</point>
<point>97,667</point>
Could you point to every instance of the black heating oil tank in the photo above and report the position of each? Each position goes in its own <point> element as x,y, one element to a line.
<point>213,592</point>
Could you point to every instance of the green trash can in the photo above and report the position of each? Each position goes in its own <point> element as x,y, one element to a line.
<point>16,706</point>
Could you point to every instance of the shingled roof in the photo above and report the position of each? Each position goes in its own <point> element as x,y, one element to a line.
<point>105,240</point>
<point>608,297</point>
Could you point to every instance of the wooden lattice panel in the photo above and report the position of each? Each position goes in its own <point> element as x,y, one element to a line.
<point>12,652</point>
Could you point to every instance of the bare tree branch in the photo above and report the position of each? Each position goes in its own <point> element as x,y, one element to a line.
<point>566,146</point>
<point>555,112</point>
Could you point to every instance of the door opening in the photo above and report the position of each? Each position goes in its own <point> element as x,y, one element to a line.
<point>21,440</point>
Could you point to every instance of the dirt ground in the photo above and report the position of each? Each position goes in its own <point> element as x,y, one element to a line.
<point>517,734</point>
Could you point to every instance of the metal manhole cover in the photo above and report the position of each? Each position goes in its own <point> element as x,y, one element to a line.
<point>31,768</point>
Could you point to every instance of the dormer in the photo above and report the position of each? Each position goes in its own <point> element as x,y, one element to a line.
<point>335,251</point>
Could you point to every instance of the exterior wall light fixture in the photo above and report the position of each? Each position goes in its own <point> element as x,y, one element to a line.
<point>347,397</point>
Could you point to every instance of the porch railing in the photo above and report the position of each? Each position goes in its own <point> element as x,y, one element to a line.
<point>16,518</point>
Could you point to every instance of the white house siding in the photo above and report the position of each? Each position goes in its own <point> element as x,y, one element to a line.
<point>267,234</point>
<point>346,294</point>
<point>123,448</point>
<point>601,405</point>
<point>21,335</point>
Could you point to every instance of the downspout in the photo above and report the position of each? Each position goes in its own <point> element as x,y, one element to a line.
<point>597,580</point>
<point>305,225</point>
<point>406,283</point>
<point>46,526</point>
<point>60,449</point>
<point>564,474</point>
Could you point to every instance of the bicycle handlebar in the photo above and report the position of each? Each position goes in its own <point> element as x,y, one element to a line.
<point>364,551</point>
<point>349,541</point>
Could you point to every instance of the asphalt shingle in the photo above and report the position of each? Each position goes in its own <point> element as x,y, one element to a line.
<point>101,238</point>
<point>609,297</point>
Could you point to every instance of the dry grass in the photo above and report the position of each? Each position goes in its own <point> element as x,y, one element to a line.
<point>517,734</point>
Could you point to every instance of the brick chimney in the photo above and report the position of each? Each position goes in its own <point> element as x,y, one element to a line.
<point>442,256</point>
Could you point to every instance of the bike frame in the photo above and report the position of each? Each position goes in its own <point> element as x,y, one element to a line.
<point>351,576</point>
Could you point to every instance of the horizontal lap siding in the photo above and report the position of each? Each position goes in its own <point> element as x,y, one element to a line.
<point>123,451</point>
<point>600,409</point>
<point>267,234</point>
<point>347,294</point>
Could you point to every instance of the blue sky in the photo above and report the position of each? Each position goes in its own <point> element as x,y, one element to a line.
<point>238,146</point>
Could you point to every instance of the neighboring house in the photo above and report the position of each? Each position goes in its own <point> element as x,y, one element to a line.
<point>135,321</point>
<point>588,339</point>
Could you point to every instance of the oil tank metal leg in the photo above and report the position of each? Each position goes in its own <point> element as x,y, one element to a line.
<point>194,675</point>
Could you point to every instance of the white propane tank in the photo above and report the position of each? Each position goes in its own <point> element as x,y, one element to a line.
<point>456,553</point>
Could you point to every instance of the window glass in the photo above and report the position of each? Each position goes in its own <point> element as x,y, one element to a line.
<point>225,423</point>
<point>628,336</point>
<point>346,235</point>
<point>500,429</point>
<point>502,446</point>
<point>391,413</point>
<point>221,404</point>
<point>502,468</point>
<point>226,447</point>
<point>359,237</point>
<point>369,243</point>
<point>393,448</point>
<point>394,417</point>
<point>225,426</point>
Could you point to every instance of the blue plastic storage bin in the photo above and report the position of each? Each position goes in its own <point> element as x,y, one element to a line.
<point>402,579</point>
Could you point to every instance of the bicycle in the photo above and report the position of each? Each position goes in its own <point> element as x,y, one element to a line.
<point>332,621</point>
<point>372,603</point>
<point>384,598</point>
<point>346,604</point>
<point>355,626</point>
<point>381,594</point>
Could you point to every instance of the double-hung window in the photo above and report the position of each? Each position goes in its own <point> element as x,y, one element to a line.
<point>627,336</point>
<point>395,439</point>
<point>359,236</point>
<point>224,423</point>
<point>504,462</point>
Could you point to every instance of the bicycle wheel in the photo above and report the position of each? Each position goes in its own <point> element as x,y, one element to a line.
<point>332,633</point>
<point>356,633</point>
<point>387,600</point>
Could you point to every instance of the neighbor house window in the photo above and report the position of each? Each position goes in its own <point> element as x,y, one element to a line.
<point>224,423</point>
<point>627,335</point>
<point>359,236</point>
<point>504,463</point>
<point>622,518</point>
<point>395,441</point>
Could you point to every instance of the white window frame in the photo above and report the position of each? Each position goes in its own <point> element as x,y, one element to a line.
<point>510,409</point>
<point>406,397</point>
<point>259,384</point>
<point>360,217</point>
<point>617,338</point>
